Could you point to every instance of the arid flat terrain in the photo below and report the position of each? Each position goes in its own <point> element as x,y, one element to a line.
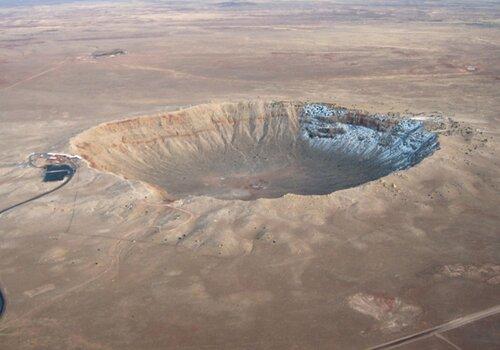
<point>117,260</point>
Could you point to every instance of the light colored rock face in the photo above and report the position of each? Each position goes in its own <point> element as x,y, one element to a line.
<point>489,273</point>
<point>378,143</point>
<point>253,150</point>
<point>391,312</point>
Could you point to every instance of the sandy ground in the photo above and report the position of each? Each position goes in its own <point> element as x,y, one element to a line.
<point>105,264</point>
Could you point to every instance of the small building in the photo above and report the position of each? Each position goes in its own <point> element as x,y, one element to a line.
<point>57,172</point>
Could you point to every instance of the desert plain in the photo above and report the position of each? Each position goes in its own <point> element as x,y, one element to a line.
<point>407,261</point>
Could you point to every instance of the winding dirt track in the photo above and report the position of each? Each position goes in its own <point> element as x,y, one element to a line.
<point>51,69</point>
<point>115,253</point>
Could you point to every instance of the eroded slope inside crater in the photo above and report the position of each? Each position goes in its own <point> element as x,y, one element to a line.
<point>255,150</point>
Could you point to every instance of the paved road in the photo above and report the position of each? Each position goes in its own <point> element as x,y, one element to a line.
<point>438,330</point>
<point>68,179</point>
<point>65,182</point>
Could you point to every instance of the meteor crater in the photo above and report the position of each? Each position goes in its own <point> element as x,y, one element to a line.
<point>252,150</point>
